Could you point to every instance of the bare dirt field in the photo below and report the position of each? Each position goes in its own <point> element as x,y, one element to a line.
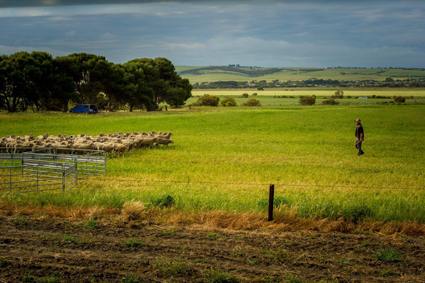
<point>46,249</point>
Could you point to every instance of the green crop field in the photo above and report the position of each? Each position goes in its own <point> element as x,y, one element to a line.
<point>224,159</point>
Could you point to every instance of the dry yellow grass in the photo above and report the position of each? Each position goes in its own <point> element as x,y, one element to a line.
<point>133,210</point>
<point>284,219</point>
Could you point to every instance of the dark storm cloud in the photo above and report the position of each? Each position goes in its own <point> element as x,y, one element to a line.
<point>262,33</point>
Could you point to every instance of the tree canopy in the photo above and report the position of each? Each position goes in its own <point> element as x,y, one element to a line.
<point>39,82</point>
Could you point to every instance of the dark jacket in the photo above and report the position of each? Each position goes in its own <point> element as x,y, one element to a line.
<point>359,130</point>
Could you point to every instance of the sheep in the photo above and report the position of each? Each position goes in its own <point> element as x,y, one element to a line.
<point>144,142</point>
<point>117,142</point>
<point>163,141</point>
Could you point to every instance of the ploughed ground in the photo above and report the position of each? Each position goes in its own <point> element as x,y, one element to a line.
<point>47,249</point>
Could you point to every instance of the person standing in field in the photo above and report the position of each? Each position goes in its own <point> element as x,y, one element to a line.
<point>359,137</point>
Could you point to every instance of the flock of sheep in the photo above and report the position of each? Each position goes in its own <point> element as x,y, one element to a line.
<point>118,142</point>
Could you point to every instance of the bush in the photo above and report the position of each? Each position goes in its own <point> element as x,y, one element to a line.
<point>254,94</point>
<point>163,201</point>
<point>331,101</point>
<point>308,100</point>
<point>338,94</point>
<point>245,95</point>
<point>252,102</point>
<point>229,101</point>
<point>207,100</point>
<point>399,99</point>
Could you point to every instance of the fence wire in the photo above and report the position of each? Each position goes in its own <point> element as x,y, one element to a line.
<point>263,184</point>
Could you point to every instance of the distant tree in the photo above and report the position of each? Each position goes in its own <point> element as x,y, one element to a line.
<point>338,94</point>
<point>207,100</point>
<point>229,101</point>
<point>252,102</point>
<point>307,100</point>
<point>399,99</point>
<point>331,101</point>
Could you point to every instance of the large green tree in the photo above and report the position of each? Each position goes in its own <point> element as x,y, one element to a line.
<point>167,85</point>
<point>79,66</point>
<point>137,91</point>
<point>28,80</point>
<point>38,81</point>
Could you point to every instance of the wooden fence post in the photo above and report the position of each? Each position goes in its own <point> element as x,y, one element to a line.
<point>271,202</point>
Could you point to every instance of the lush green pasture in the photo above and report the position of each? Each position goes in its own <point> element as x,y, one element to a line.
<point>226,158</point>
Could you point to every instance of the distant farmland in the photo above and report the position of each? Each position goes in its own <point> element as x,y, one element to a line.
<point>198,74</point>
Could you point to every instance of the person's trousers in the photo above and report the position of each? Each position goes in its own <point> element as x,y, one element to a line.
<point>359,146</point>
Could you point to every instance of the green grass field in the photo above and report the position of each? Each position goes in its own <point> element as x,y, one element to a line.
<point>224,159</point>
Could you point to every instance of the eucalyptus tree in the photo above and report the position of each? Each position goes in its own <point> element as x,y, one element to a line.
<point>26,80</point>
<point>166,84</point>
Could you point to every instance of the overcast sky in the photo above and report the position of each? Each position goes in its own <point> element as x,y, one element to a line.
<point>291,33</point>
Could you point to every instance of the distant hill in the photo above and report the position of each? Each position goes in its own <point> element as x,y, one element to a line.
<point>199,74</point>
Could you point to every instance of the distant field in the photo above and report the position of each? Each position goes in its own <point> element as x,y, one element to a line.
<point>274,97</point>
<point>200,74</point>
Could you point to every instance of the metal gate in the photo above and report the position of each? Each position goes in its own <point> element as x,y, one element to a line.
<point>31,170</point>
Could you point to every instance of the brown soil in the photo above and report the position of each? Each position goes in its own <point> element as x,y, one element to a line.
<point>47,249</point>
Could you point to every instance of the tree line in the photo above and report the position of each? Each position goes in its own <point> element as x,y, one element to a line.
<point>39,82</point>
<point>260,85</point>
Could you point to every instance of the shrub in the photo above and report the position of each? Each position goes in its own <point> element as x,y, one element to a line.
<point>338,94</point>
<point>244,95</point>
<point>230,101</point>
<point>331,101</point>
<point>252,102</point>
<point>207,100</point>
<point>308,100</point>
<point>163,201</point>
<point>399,99</point>
<point>254,94</point>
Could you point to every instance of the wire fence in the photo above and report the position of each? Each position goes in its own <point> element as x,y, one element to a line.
<point>264,184</point>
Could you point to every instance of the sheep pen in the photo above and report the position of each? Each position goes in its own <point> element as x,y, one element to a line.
<point>110,143</point>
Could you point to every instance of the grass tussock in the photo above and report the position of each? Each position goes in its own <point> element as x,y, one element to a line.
<point>133,210</point>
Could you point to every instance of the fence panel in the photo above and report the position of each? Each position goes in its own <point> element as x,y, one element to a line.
<point>30,170</point>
